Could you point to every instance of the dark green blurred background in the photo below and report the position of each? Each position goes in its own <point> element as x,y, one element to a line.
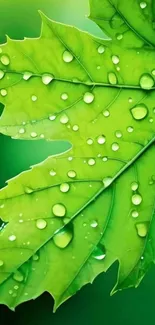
<point>92,305</point>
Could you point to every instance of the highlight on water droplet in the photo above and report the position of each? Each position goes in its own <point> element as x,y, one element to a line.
<point>12,237</point>
<point>59,210</point>
<point>5,59</point>
<point>71,173</point>
<point>63,237</point>
<point>99,252</point>
<point>18,276</point>
<point>142,229</point>
<point>67,57</point>
<point>146,81</point>
<point>64,187</point>
<point>139,112</point>
<point>136,199</point>
<point>143,4</point>
<point>52,172</point>
<point>134,186</point>
<point>88,97</point>
<point>27,75</point>
<point>41,224</point>
<point>47,78</point>
<point>112,78</point>
<point>101,49</point>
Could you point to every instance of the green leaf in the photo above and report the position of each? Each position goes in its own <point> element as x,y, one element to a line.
<point>72,216</point>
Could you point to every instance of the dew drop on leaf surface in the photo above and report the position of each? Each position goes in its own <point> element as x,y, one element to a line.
<point>5,59</point>
<point>99,253</point>
<point>88,98</point>
<point>64,187</point>
<point>136,199</point>
<point>146,81</point>
<point>134,186</point>
<point>71,174</point>
<point>18,276</point>
<point>63,237</point>
<point>41,224</point>
<point>139,112</point>
<point>59,210</point>
<point>47,78</point>
<point>27,75</point>
<point>67,57</point>
<point>142,229</point>
<point>101,49</point>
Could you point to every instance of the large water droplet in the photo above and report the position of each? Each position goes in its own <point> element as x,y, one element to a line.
<point>143,5</point>
<point>88,97</point>
<point>89,141</point>
<point>101,49</point>
<point>3,92</point>
<point>91,162</point>
<point>75,127</point>
<point>27,75</point>
<point>5,60</point>
<point>41,224</point>
<point>139,112</point>
<point>67,57</point>
<point>146,81</point>
<point>134,186</point>
<point>64,119</point>
<point>18,276</point>
<point>47,78</point>
<point>136,199</point>
<point>12,237</point>
<point>142,229</point>
<point>115,59</point>
<point>99,253</point>
<point>71,174</point>
<point>64,96</point>
<point>106,113</point>
<point>59,210</point>
<point>118,134</point>
<point>101,139</point>
<point>1,74</point>
<point>64,187</point>
<point>112,78</point>
<point>107,181</point>
<point>115,146</point>
<point>63,237</point>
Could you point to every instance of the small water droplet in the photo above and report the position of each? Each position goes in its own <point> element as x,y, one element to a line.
<point>34,98</point>
<point>130,100</point>
<point>105,158</point>
<point>99,253</point>
<point>1,74</point>
<point>33,134</point>
<point>16,287</point>
<point>136,199</point>
<point>71,174</point>
<point>21,131</point>
<point>88,97</point>
<point>75,127</point>
<point>101,139</point>
<point>64,119</point>
<point>107,181</point>
<point>115,59</point>
<point>5,60</point>
<point>64,96</point>
<point>3,92</point>
<point>89,141</point>
<point>101,49</point>
<point>139,112</point>
<point>94,224</point>
<point>98,67</point>
<point>52,172</point>
<point>115,146</point>
<point>66,221</point>
<point>47,78</point>
<point>28,190</point>
<point>151,120</point>
<point>63,238</point>
<point>70,158</point>
<point>146,81</point>
<point>142,229</point>
<point>130,129</point>
<point>12,237</point>
<point>41,224</point>
<point>106,113</point>
<point>67,57</point>
<point>118,134</point>
<point>1,263</point>
<point>18,276</point>
<point>64,187</point>
<point>112,78</point>
<point>59,210</point>
<point>143,5</point>
<point>134,186</point>
<point>153,72</point>
<point>27,75</point>
<point>35,257</point>
<point>10,292</point>
<point>52,117</point>
<point>135,214</point>
<point>119,36</point>
<point>91,162</point>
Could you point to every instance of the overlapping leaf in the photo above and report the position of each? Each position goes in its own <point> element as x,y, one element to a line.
<point>71,217</point>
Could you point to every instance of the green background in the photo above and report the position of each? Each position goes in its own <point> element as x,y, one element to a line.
<point>93,304</point>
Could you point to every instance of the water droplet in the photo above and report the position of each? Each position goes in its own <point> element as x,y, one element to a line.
<point>142,229</point>
<point>16,287</point>
<point>98,67</point>
<point>3,92</point>
<point>115,59</point>
<point>94,224</point>
<point>22,131</point>
<point>10,292</point>
<point>101,49</point>
<point>115,146</point>
<point>153,72</point>
<point>47,78</point>
<point>63,237</point>
<point>91,162</point>
<point>151,120</point>
<point>119,36</point>
<point>101,139</point>
<point>134,186</point>
<point>18,276</point>
<point>107,181</point>
<point>33,134</point>
<point>88,97</point>
<point>27,75</point>
<point>130,100</point>
<point>1,263</point>
<point>89,141</point>
<point>118,134</point>
<point>105,158</point>
<point>64,96</point>
<point>66,221</point>
<point>52,117</point>
<point>75,127</point>
<point>106,113</point>
<point>41,224</point>
<point>139,112</point>
<point>71,174</point>
<point>136,199</point>
<point>135,214</point>
<point>59,210</point>
<point>130,129</point>
<point>112,78</point>
<point>34,98</point>
<point>52,172</point>
<point>143,5</point>
<point>28,190</point>
<point>67,57</point>
<point>35,257</point>
<point>5,60</point>
<point>99,253</point>
<point>70,158</point>
<point>146,81</point>
<point>64,119</point>
<point>12,237</point>
<point>64,187</point>
<point>1,74</point>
